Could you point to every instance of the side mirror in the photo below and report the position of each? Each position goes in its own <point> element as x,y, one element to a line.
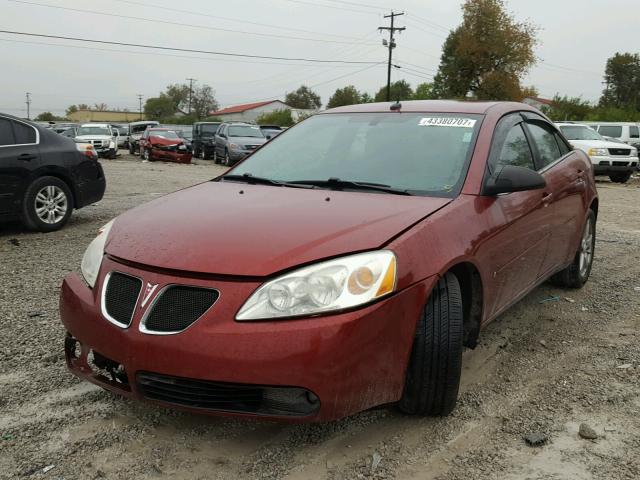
<point>268,137</point>
<point>513,179</point>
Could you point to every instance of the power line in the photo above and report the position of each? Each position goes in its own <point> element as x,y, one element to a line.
<point>391,45</point>
<point>315,4</point>
<point>188,25</point>
<point>175,49</point>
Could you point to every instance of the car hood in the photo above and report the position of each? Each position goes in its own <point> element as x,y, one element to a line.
<point>93,137</point>
<point>165,141</point>
<point>248,140</point>
<point>587,144</point>
<point>231,228</point>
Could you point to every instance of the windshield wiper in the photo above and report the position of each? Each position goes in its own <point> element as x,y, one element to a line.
<point>337,184</point>
<point>253,180</point>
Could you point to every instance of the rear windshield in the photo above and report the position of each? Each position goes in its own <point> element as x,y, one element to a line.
<point>423,153</point>
<point>610,130</point>
<point>580,133</point>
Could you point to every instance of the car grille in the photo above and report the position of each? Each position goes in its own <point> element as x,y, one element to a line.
<point>120,297</point>
<point>619,164</point>
<point>177,307</point>
<point>227,397</point>
<point>620,151</point>
<point>251,147</point>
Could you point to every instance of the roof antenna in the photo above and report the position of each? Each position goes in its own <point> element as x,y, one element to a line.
<point>396,106</point>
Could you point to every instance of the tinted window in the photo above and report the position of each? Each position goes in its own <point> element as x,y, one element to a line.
<point>24,133</point>
<point>423,153</point>
<point>6,133</point>
<point>580,132</point>
<point>546,143</point>
<point>564,148</point>
<point>610,130</point>
<point>209,128</point>
<point>634,132</point>
<point>515,150</point>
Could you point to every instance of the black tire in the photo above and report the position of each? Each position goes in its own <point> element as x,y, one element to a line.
<point>620,177</point>
<point>216,160</point>
<point>203,154</point>
<point>132,150</point>
<point>577,274</point>
<point>227,160</point>
<point>30,217</point>
<point>433,373</point>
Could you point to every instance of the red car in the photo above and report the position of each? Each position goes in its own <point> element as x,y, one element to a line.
<point>164,144</point>
<point>343,265</point>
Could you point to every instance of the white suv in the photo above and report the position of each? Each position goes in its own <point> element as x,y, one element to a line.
<point>103,138</point>
<point>614,159</point>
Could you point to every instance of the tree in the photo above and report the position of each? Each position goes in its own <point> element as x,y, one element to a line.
<point>487,55</point>
<point>400,90</point>
<point>71,109</point>
<point>569,108</point>
<point>622,77</point>
<point>157,108</point>
<point>203,101</point>
<point>100,107</point>
<point>46,117</point>
<point>279,117</point>
<point>366,98</point>
<point>348,95</point>
<point>424,91</point>
<point>304,98</point>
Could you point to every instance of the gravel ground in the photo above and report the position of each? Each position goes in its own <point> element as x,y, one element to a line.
<point>544,367</point>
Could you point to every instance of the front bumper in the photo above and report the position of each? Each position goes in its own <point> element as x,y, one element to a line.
<point>605,165</point>
<point>349,361</point>
<point>179,156</point>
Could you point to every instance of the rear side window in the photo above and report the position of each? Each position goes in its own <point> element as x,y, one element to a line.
<point>546,142</point>
<point>610,130</point>
<point>515,150</point>
<point>634,132</point>
<point>6,132</point>
<point>24,133</point>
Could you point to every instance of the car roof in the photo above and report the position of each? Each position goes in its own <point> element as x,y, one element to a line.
<point>432,106</point>
<point>95,125</point>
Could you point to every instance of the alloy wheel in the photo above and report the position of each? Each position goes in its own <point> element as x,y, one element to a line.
<point>51,204</point>
<point>586,248</point>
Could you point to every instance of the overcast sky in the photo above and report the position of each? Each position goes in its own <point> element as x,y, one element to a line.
<point>576,38</point>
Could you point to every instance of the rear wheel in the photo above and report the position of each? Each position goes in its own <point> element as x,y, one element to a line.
<point>47,204</point>
<point>577,274</point>
<point>620,177</point>
<point>433,373</point>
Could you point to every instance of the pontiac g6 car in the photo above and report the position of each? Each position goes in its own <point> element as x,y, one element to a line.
<point>343,265</point>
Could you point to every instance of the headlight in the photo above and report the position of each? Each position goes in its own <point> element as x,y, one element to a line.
<point>112,145</point>
<point>598,152</point>
<point>92,258</point>
<point>182,147</point>
<point>327,286</point>
<point>233,146</point>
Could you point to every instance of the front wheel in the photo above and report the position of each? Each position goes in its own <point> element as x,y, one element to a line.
<point>227,160</point>
<point>47,204</point>
<point>146,155</point>
<point>620,177</point>
<point>577,274</point>
<point>433,373</point>
<point>203,153</point>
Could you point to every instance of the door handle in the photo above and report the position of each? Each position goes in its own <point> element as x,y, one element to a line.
<point>546,199</point>
<point>26,157</point>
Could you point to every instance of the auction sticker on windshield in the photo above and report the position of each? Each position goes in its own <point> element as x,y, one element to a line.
<point>447,122</point>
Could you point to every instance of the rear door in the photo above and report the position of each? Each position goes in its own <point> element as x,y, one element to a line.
<point>19,156</point>
<point>517,248</point>
<point>565,175</point>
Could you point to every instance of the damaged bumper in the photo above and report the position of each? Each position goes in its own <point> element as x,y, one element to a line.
<point>315,369</point>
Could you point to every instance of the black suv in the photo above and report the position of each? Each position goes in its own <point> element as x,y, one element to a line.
<point>44,176</point>
<point>204,139</point>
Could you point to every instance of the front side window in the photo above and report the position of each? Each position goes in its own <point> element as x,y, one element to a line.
<point>546,142</point>
<point>610,131</point>
<point>426,153</point>
<point>90,130</point>
<point>6,132</point>
<point>245,131</point>
<point>515,150</point>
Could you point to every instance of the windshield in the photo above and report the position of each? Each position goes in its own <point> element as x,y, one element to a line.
<point>423,153</point>
<point>245,131</point>
<point>578,132</point>
<point>210,128</point>
<point>93,131</point>
<point>164,134</point>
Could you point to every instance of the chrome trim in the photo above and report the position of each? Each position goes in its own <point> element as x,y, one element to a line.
<point>142,326</point>
<point>103,294</point>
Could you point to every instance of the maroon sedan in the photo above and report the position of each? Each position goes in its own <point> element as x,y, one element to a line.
<point>342,266</point>
<point>164,144</point>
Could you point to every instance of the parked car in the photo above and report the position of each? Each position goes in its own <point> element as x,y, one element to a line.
<point>341,267</point>
<point>626,132</point>
<point>164,144</point>
<point>123,134</point>
<point>234,141</point>
<point>103,138</point>
<point>136,129</point>
<point>62,127</point>
<point>44,176</point>
<point>614,159</point>
<point>70,132</point>
<point>270,131</point>
<point>204,139</point>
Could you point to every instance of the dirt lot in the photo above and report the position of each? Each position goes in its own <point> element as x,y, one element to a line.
<point>546,366</point>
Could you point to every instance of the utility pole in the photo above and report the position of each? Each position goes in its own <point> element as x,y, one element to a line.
<point>140,103</point>
<point>28,106</point>
<point>191,80</point>
<point>391,45</point>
